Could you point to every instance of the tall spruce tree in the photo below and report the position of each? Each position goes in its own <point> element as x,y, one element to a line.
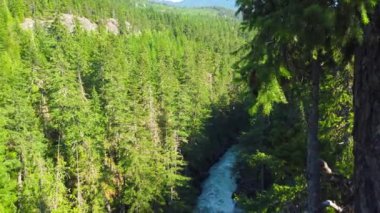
<point>292,40</point>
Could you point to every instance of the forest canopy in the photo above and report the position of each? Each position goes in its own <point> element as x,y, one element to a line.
<point>124,106</point>
<point>104,105</point>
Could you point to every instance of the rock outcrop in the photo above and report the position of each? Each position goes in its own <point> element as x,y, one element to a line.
<point>69,21</point>
<point>28,24</point>
<point>87,25</point>
<point>112,26</point>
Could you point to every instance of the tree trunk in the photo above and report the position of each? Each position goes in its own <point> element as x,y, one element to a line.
<point>313,168</point>
<point>20,188</point>
<point>79,190</point>
<point>367,119</point>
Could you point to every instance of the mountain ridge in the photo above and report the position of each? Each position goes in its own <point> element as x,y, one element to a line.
<point>228,4</point>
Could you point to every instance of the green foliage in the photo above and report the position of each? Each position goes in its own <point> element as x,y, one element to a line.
<point>276,199</point>
<point>270,93</point>
<point>261,158</point>
<point>345,163</point>
<point>8,184</point>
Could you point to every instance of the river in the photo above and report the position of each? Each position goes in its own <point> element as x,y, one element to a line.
<point>218,188</point>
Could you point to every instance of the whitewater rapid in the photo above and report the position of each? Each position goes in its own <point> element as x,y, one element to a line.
<point>218,188</point>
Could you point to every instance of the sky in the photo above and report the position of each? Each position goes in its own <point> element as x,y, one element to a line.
<point>201,3</point>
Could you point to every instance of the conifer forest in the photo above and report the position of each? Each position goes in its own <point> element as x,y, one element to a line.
<point>143,106</point>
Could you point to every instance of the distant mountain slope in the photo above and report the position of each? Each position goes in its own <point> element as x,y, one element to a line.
<point>230,4</point>
<point>203,11</point>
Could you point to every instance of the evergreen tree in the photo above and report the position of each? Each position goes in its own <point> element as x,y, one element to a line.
<point>293,36</point>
